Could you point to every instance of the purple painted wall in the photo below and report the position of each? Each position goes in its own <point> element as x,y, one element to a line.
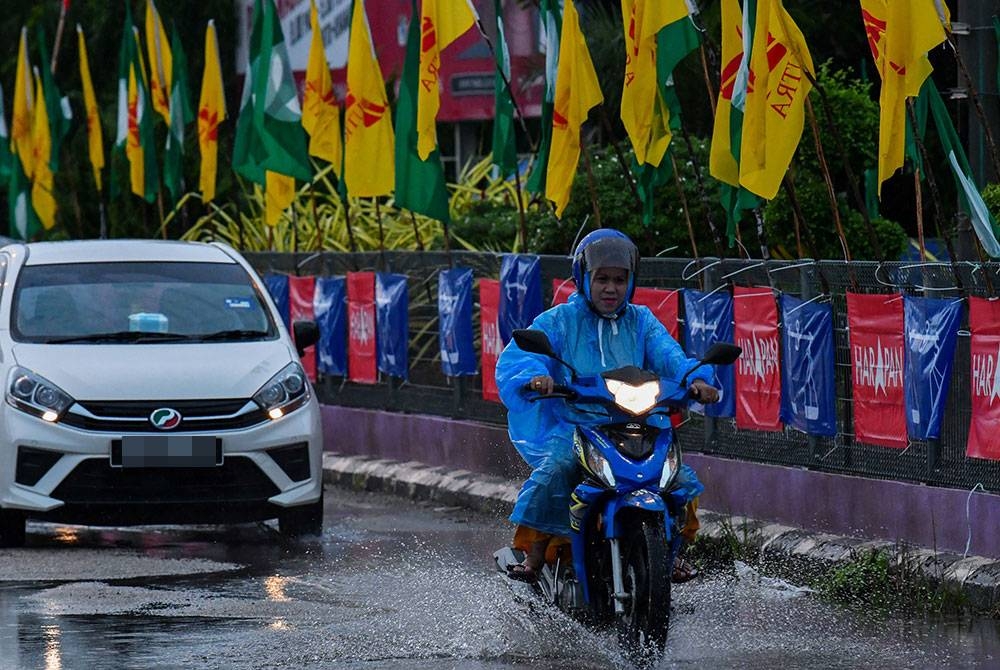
<point>840,504</point>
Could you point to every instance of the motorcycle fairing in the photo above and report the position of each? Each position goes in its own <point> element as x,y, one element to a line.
<point>629,474</point>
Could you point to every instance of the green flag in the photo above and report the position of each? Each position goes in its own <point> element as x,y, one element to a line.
<point>24,222</point>
<point>59,111</point>
<point>181,114</point>
<point>504,144</point>
<point>269,133</point>
<point>920,111</point>
<point>5,155</point>
<point>119,162</point>
<point>969,196</point>
<point>420,185</point>
<point>552,27</point>
<point>996,29</point>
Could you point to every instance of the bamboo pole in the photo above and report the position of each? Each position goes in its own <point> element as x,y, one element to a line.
<point>978,106</point>
<point>592,186</point>
<point>684,205</point>
<point>828,180</point>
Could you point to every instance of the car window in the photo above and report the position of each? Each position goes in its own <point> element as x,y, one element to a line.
<point>81,300</point>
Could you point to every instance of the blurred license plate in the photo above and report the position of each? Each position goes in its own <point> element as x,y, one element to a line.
<point>167,451</point>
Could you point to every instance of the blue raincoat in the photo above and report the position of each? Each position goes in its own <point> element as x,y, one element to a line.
<point>542,432</point>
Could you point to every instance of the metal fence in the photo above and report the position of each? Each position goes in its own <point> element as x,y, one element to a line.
<point>428,391</point>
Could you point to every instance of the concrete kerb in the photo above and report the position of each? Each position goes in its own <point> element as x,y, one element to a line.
<point>977,577</point>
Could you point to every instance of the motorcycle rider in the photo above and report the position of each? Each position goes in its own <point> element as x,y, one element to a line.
<point>597,330</point>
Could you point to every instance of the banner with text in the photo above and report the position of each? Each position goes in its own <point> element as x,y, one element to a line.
<point>392,323</point>
<point>520,292</point>
<point>361,349</point>
<point>875,324</point>
<point>758,373</point>
<point>330,308</point>
<point>277,287</point>
<point>664,305</point>
<point>984,352</point>
<point>458,352</point>
<point>931,333</point>
<point>301,292</point>
<point>709,319</point>
<point>808,399</point>
<point>489,327</point>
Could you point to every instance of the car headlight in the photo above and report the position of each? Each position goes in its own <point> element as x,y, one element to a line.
<point>594,461</point>
<point>284,392</point>
<point>634,399</point>
<point>670,467</point>
<point>36,395</point>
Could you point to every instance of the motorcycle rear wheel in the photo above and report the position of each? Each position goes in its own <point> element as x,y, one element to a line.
<point>642,628</point>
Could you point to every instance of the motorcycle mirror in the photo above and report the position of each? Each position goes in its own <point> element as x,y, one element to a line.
<point>537,342</point>
<point>720,353</point>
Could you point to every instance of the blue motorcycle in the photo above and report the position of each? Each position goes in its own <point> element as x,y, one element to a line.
<point>630,507</point>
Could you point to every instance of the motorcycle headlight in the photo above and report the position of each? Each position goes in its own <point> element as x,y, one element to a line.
<point>670,468</point>
<point>634,399</point>
<point>286,391</point>
<point>594,461</point>
<point>36,395</point>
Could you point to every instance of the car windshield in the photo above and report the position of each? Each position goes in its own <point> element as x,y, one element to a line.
<point>138,302</point>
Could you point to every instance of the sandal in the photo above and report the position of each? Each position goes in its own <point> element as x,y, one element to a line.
<point>683,572</point>
<point>522,573</point>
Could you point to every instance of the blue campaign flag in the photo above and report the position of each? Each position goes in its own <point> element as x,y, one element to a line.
<point>808,385</point>
<point>709,319</point>
<point>930,333</point>
<point>330,312</point>
<point>277,286</point>
<point>520,293</point>
<point>392,323</point>
<point>458,353</point>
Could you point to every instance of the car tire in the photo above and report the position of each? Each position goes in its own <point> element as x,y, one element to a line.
<point>12,531</point>
<point>302,520</point>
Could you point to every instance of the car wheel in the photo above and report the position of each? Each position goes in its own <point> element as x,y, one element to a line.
<point>302,520</point>
<point>11,528</point>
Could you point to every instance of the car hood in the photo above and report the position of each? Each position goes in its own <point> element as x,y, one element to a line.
<point>156,371</point>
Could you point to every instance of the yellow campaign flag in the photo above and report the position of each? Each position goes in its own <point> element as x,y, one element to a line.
<point>134,150</point>
<point>369,168</point>
<point>161,62</point>
<point>721,163</point>
<point>441,23</point>
<point>900,34</point>
<point>95,138</point>
<point>320,112</point>
<point>279,192</point>
<point>642,20</point>
<point>42,198</point>
<point>774,115</point>
<point>211,112</point>
<point>577,91</point>
<point>24,106</point>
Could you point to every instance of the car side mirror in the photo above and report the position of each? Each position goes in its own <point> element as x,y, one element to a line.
<point>305,334</point>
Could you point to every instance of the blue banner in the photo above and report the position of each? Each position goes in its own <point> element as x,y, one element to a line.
<point>520,293</point>
<point>392,323</point>
<point>458,353</point>
<point>808,385</point>
<point>930,333</point>
<point>330,311</point>
<point>709,319</point>
<point>277,286</point>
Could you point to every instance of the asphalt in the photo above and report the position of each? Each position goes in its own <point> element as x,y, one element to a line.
<point>787,550</point>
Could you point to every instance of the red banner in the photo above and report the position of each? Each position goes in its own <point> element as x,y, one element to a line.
<point>875,323</point>
<point>562,289</point>
<point>663,304</point>
<point>300,308</point>
<point>492,345</point>
<point>758,370</point>
<point>984,352</point>
<point>362,356</point>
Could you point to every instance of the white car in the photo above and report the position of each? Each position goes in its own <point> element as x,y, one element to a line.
<point>151,382</point>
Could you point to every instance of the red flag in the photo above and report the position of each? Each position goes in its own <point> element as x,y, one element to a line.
<point>300,308</point>
<point>663,304</point>
<point>758,372</point>
<point>362,356</point>
<point>562,289</point>
<point>984,350</point>
<point>875,323</point>
<point>492,345</point>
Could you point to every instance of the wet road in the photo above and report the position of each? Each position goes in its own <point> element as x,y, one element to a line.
<point>396,584</point>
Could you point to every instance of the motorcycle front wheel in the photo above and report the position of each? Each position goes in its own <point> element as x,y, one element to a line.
<point>642,628</point>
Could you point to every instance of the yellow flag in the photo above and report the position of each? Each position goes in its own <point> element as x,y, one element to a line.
<point>369,168</point>
<point>900,34</point>
<point>320,112</point>
<point>577,91</point>
<point>279,192</point>
<point>160,62</point>
<point>441,23</point>
<point>722,164</point>
<point>775,104</point>
<point>24,108</point>
<point>134,150</point>
<point>643,19</point>
<point>42,198</point>
<point>95,138</point>
<point>211,112</point>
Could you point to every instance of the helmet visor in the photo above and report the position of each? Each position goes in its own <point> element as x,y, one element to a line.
<point>612,252</point>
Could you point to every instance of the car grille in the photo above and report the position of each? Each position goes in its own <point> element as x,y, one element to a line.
<point>118,416</point>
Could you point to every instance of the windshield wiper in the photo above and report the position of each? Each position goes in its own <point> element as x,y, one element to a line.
<point>235,334</point>
<point>130,336</point>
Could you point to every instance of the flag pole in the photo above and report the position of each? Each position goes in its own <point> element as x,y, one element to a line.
<point>520,207</point>
<point>59,34</point>
<point>506,83</point>
<point>347,223</point>
<point>381,233</point>
<point>416,231</point>
<point>702,192</point>
<point>827,179</point>
<point>978,105</point>
<point>684,206</point>
<point>591,184</point>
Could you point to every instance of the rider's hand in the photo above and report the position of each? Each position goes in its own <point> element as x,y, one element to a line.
<point>542,384</point>
<point>703,392</point>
